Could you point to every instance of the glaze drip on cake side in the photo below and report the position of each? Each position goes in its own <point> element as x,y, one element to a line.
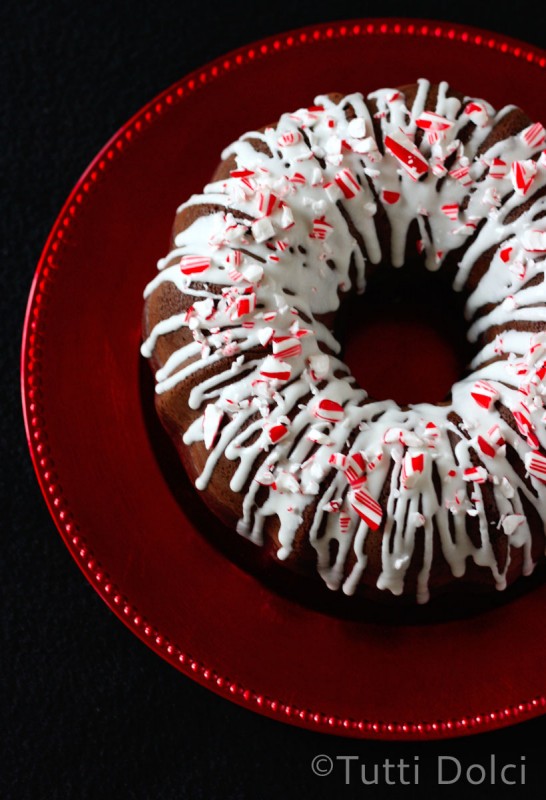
<point>289,232</point>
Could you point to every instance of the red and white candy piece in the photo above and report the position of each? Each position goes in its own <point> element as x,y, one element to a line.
<point>451,210</point>
<point>475,474</point>
<point>328,410</point>
<point>204,309</point>
<point>431,434</point>
<point>403,436</point>
<point>334,506</point>
<point>276,432</point>
<point>484,394</point>
<point>491,442</point>
<point>367,508</point>
<point>413,467</point>
<point>287,218</point>
<point>355,469</point>
<point>522,174</point>
<point>498,168</point>
<point>344,522</point>
<point>338,460</point>
<point>273,369</point>
<point>534,240</point>
<point>347,182</point>
<point>353,465</point>
<point>478,112</point>
<point>289,139</point>
<point>534,135</point>
<point>319,437</point>
<point>407,154</point>
<point>505,253</point>
<point>321,229</point>
<point>430,121</point>
<point>212,419</point>
<point>390,197</point>
<point>234,259</point>
<point>298,178</point>
<point>461,174</point>
<point>535,464</point>
<point>523,420</point>
<point>286,347</point>
<point>267,202</point>
<point>191,265</point>
<point>245,304</point>
<point>245,179</point>
<point>286,482</point>
<point>468,228</point>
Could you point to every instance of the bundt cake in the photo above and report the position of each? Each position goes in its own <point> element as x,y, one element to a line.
<point>240,328</point>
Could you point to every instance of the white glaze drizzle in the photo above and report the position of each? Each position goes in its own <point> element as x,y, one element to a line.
<point>298,195</point>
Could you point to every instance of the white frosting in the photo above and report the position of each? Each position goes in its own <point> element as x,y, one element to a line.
<point>296,229</point>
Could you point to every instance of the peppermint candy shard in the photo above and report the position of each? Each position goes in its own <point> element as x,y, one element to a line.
<point>273,369</point>
<point>390,197</point>
<point>413,467</point>
<point>535,464</point>
<point>430,121</point>
<point>478,113</point>
<point>289,139</point>
<point>534,135</point>
<point>328,410</point>
<point>321,229</point>
<point>286,346</point>
<point>451,210</point>
<point>484,394</point>
<point>276,432</point>
<point>347,182</point>
<point>505,254</point>
<point>525,426</point>
<point>367,508</point>
<point>475,474</point>
<point>191,265</point>
<point>522,174</point>
<point>490,444</point>
<point>407,154</point>
<point>245,304</point>
<point>212,419</point>
<point>498,169</point>
<point>267,202</point>
<point>344,522</point>
<point>355,469</point>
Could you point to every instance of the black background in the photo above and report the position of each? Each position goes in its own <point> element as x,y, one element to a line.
<point>91,712</point>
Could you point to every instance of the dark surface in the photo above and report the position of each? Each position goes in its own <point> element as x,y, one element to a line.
<point>91,712</point>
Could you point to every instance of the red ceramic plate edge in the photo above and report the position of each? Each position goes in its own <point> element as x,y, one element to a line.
<point>31,394</point>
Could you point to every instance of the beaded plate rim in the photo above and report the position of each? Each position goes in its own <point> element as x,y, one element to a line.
<point>43,460</point>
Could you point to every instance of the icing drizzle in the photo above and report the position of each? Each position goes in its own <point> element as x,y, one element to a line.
<point>293,230</point>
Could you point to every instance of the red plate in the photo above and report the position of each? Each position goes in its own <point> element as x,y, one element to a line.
<point>99,457</point>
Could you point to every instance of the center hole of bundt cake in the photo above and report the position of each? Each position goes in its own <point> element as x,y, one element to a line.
<point>405,338</point>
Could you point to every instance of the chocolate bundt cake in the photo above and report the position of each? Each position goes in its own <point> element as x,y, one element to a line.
<point>240,327</point>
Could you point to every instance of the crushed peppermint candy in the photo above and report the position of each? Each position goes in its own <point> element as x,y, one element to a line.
<point>328,410</point>
<point>367,508</point>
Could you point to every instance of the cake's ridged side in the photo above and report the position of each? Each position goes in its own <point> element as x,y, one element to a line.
<point>239,322</point>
